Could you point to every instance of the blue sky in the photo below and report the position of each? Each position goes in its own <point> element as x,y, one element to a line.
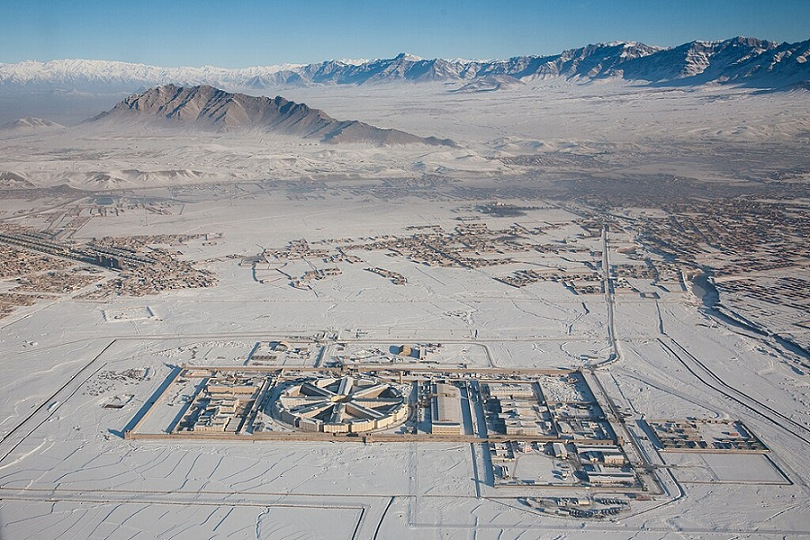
<point>240,33</point>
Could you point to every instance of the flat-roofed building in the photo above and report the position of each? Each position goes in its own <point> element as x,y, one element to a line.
<point>609,455</point>
<point>510,390</point>
<point>614,459</point>
<point>616,476</point>
<point>559,450</point>
<point>230,389</point>
<point>521,427</point>
<point>445,410</point>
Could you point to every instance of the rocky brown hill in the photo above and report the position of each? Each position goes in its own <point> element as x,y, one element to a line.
<point>210,108</point>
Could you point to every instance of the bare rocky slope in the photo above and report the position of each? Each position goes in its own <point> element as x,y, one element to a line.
<point>210,108</point>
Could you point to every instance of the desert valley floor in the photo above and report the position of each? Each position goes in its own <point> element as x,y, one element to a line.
<point>603,289</point>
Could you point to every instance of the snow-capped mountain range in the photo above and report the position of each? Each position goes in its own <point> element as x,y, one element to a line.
<point>745,61</point>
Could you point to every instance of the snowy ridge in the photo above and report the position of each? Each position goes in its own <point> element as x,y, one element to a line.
<point>77,74</point>
<point>746,61</point>
<point>30,124</point>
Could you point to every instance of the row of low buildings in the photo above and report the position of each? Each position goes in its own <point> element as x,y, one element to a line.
<point>705,435</point>
<point>396,278</point>
<point>518,409</point>
<point>216,416</point>
<point>596,464</point>
<point>225,399</point>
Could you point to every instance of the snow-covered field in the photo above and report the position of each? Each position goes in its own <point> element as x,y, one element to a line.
<point>67,472</point>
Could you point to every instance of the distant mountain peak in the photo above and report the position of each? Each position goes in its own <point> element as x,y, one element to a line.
<point>207,107</point>
<point>409,57</point>
<point>30,124</point>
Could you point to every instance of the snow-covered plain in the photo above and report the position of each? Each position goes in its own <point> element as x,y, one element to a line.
<point>609,127</point>
<point>67,472</point>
